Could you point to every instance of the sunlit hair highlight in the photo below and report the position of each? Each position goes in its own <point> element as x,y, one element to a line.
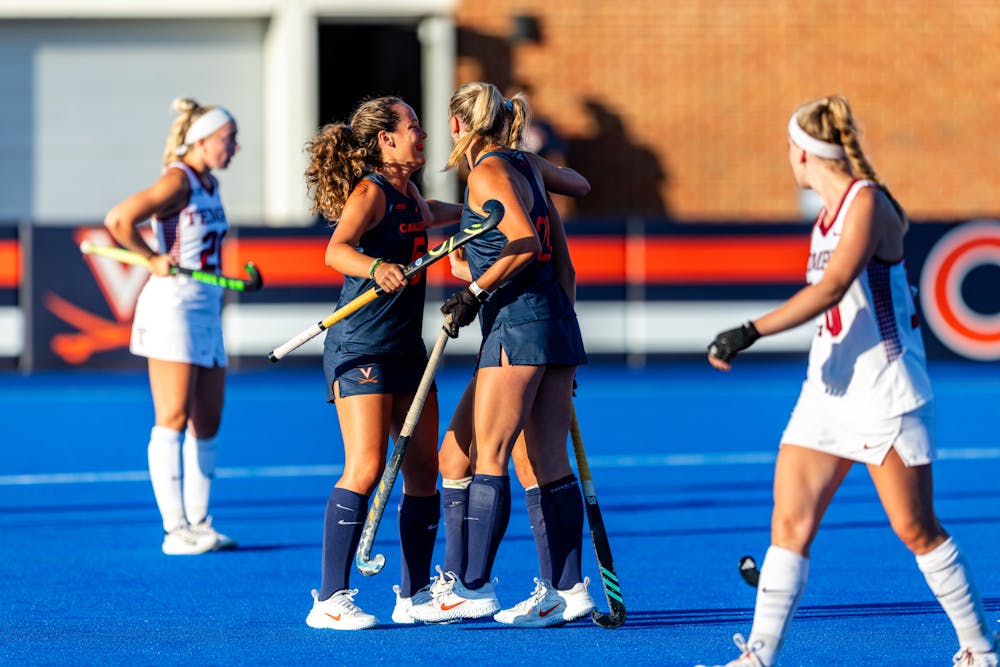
<point>188,112</point>
<point>490,118</point>
<point>830,119</point>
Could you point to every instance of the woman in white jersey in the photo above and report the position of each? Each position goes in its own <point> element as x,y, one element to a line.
<point>866,397</point>
<point>178,322</point>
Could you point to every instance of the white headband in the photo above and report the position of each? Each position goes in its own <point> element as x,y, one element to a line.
<point>811,144</point>
<point>205,126</point>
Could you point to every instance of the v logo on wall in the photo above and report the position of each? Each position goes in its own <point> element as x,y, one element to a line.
<point>87,321</point>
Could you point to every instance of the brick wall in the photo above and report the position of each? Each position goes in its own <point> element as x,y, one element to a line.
<point>679,107</point>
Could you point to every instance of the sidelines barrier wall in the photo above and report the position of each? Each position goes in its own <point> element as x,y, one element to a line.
<point>646,290</point>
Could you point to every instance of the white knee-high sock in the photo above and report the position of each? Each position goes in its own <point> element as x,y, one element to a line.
<point>199,470</point>
<point>950,580</point>
<point>164,454</point>
<point>783,578</point>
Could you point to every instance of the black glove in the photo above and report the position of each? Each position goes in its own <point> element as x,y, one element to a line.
<point>728,343</point>
<point>463,308</point>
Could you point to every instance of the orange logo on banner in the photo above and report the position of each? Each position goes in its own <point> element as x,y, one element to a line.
<point>120,284</point>
<point>957,254</point>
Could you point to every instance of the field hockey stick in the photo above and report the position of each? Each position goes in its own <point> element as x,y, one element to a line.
<point>599,536</point>
<point>251,284</point>
<point>494,212</point>
<point>749,571</point>
<point>369,566</point>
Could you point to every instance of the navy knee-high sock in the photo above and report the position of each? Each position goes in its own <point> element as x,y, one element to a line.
<point>487,518</point>
<point>342,524</point>
<point>418,524</point>
<point>533,502</point>
<point>454,502</point>
<point>562,507</point>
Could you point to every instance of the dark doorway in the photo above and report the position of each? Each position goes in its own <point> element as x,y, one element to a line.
<point>366,60</point>
<point>359,61</point>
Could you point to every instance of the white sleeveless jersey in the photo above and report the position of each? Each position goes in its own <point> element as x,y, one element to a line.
<point>868,351</point>
<point>176,317</point>
<point>193,236</point>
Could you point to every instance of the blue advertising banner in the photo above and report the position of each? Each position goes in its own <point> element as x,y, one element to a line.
<point>646,290</point>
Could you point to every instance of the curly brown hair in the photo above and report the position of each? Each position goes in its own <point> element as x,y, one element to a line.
<point>340,154</point>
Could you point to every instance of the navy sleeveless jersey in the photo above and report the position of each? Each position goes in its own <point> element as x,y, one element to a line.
<point>534,293</point>
<point>392,323</point>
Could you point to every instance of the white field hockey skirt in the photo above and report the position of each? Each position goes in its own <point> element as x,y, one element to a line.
<point>178,319</point>
<point>828,424</point>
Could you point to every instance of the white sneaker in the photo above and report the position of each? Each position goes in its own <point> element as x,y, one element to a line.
<point>450,600</point>
<point>401,612</point>
<point>748,655</point>
<point>338,612</point>
<point>967,658</point>
<point>222,542</point>
<point>578,601</point>
<point>183,541</point>
<point>544,608</point>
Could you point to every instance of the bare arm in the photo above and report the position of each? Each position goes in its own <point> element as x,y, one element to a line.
<point>558,179</point>
<point>460,265</point>
<point>166,196</point>
<point>858,242</point>
<point>434,212</point>
<point>561,260</point>
<point>491,180</point>
<point>865,228</point>
<point>364,208</point>
<point>443,213</point>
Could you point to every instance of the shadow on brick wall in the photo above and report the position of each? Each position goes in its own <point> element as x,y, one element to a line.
<point>627,178</point>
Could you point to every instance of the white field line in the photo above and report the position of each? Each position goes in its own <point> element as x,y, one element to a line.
<point>621,461</point>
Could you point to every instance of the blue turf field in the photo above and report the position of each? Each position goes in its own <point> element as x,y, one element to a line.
<point>681,461</point>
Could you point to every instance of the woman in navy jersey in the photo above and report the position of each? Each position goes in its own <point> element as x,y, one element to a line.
<point>359,176</point>
<point>524,377</point>
<point>866,398</point>
<point>178,321</point>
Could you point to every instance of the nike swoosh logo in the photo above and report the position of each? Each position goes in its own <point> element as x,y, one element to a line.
<point>336,618</point>
<point>472,518</point>
<point>348,523</point>
<point>432,526</point>
<point>349,509</point>
<point>447,607</point>
<point>551,609</point>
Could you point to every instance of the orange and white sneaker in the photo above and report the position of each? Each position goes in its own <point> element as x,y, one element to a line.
<point>544,608</point>
<point>549,606</point>
<point>338,612</point>
<point>451,601</point>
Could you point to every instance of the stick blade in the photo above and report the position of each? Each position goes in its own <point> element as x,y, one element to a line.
<point>370,568</point>
<point>612,620</point>
<point>494,213</point>
<point>749,571</point>
<point>256,281</point>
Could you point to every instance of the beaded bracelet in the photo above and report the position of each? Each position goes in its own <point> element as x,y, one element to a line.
<point>375,265</point>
